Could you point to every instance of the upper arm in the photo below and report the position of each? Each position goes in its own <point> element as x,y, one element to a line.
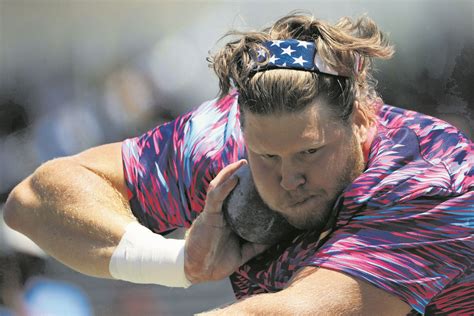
<point>89,170</point>
<point>105,161</point>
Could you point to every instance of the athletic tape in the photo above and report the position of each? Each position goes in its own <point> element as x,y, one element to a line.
<point>148,258</point>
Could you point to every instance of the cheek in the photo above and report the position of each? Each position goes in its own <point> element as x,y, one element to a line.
<point>264,176</point>
<point>321,172</point>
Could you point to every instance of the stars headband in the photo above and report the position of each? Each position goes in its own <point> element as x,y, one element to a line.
<point>295,54</point>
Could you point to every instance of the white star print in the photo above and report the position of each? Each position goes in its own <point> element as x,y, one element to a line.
<point>288,51</point>
<point>273,59</point>
<point>277,43</point>
<point>303,43</point>
<point>299,60</point>
<point>261,52</point>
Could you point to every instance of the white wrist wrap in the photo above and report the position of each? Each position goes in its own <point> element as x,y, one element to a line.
<point>145,257</point>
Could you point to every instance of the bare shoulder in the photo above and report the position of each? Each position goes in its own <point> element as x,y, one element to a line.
<point>343,294</point>
<point>106,161</point>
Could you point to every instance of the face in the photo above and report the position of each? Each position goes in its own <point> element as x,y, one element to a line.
<point>301,162</point>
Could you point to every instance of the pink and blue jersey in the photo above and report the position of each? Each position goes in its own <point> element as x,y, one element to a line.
<point>405,225</point>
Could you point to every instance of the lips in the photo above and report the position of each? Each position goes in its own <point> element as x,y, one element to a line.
<point>300,201</point>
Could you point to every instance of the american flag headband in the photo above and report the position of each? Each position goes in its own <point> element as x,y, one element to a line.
<point>295,54</point>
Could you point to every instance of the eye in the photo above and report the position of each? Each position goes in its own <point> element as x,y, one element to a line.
<point>311,151</point>
<point>268,156</point>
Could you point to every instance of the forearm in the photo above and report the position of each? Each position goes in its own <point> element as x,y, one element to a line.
<point>71,212</point>
<point>261,304</point>
<point>318,291</point>
<point>282,303</point>
<point>285,304</point>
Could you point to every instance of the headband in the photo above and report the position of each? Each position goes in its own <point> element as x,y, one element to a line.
<point>295,54</point>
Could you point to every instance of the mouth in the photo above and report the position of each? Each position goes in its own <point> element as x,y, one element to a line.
<point>301,201</point>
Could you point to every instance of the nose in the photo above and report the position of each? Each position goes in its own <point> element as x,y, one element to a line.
<point>291,177</point>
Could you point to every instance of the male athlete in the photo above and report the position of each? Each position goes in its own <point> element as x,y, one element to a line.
<point>391,190</point>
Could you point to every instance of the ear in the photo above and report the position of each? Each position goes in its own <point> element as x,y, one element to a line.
<point>360,122</point>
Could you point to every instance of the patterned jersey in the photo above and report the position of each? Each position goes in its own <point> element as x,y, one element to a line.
<point>405,225</point>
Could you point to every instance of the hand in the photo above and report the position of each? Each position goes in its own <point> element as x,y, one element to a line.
<point>213,251</point>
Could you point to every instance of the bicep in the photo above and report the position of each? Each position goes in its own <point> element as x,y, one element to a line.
<point>105,161</point>
<point>323,291</point>
<point>43,193</point>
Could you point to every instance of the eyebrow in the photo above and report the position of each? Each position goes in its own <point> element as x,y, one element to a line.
<point>315,146</point>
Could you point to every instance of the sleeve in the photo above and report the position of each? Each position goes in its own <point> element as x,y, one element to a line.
<point>168,169</point>
<point>414,250</point>
<point>244,287</point>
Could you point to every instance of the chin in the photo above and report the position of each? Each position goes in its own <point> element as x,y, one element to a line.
<point>313,216</point>
<point>309,224</point>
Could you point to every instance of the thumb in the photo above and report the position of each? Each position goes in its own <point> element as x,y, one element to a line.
<point>250,250</point>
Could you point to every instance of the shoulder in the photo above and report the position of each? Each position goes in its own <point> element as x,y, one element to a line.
<point>436,138</point>
<point>411,145</point>
<point>168,168</point>
<point>206,126</point>
<point>213,122</point>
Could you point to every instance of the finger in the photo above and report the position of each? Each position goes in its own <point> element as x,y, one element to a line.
<point>215,197</point>
<point>221,186</point>
<point>227,172</point>
<point>250,250</point>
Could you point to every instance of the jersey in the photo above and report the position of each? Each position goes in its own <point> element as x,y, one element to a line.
<point>404,225</point>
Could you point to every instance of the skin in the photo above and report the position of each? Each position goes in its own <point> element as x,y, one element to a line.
<point>213,250</point>
<point>74,208</point>
<point>302,161</point>
<point>319,292</point>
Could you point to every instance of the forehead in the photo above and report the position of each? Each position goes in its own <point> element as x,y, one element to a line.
<point>288,132</point>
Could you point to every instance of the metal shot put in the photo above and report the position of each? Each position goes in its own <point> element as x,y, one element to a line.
<point>250,217</point>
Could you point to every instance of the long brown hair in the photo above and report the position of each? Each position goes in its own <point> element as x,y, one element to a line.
<point>288,90</point>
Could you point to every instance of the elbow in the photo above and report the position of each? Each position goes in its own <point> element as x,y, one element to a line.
<point>19,206</point>
<point>11,211</point>
<point>22,209</point>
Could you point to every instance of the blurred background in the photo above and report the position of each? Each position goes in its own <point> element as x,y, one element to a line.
<point>76,74</point>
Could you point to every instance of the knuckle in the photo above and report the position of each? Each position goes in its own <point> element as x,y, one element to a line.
<point>212,185</point>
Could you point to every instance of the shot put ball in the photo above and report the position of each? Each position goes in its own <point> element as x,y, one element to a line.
<point>249,217</point>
